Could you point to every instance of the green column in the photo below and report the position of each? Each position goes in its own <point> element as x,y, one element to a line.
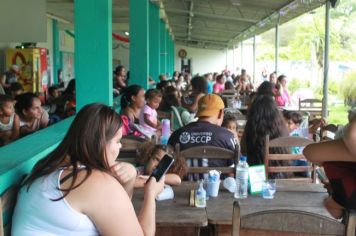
<point>154,39</point>
<point>57,54</point>
<point>168,55</point>
<point>163,51</point>
<point>172,54</point>
<point>139,38</point>
<point>93,51</point>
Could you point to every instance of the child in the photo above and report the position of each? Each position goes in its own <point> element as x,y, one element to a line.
<point>293,121</point>
<point>52,102</point>
<point>9,121</point>
<point>16,89</point>
<point>219,86</point>
<point>150,156</point>
<point>53,93</point>
<point>230,123</point>
<point>148,116</point>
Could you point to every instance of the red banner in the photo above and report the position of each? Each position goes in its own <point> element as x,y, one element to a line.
<point>121,38</point>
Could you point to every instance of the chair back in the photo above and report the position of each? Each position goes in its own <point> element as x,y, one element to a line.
<point>8,202</point>
<point>287,142</point>
<point>324,132</point>
<point>293,221</point>
<point>176,115</point>
<point>312,106</point>
<point>208,152</point>
<point>130,148</point>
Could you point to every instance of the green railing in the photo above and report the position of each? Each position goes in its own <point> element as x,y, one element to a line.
<point>18,158</point>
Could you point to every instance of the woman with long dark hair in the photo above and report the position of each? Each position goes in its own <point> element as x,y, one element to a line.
<point>282,93</point>
<point>263,118</point>
<point>120,80</point>
<point>132,101</point>
<point>80,189</point>
<point>199,89</point>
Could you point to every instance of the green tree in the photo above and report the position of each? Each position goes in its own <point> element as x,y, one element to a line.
<point>348,88</point>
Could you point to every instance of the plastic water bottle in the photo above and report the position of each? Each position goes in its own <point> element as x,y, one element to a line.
<point>166,131</point>
<point>241,178</point>
<point>200,197</point>
<point>166,128</point>
<point>304,127</point>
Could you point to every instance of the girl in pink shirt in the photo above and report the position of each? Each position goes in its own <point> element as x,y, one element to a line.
<point>219,86</point>
<point>282,95</point>
<point>148,115</point>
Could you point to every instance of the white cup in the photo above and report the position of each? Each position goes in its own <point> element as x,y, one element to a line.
<point>213,188</point>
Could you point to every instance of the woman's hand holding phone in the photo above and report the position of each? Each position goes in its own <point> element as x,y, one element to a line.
<point>153,188</point>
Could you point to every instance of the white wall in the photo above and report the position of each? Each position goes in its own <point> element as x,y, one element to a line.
<point>23,20</point>
<point>120,53</point>
<point>207,60</point>
<point>47,44</point>
<point>202,60</point>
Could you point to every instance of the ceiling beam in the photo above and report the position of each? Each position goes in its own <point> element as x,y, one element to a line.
<point>211,16</point>
<point>120,19</point>
<point>202,46</point>
<point>200,43</point>
<point>119,8</point>
<point>202,40</point>
<point>121,26</point>
<point>115,26</point>
<point>200,34</point>
<point>210,29</point>
<point>190,23</point>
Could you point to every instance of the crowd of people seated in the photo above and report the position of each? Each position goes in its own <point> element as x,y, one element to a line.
<point>23,113</point>
<point>88,166</point>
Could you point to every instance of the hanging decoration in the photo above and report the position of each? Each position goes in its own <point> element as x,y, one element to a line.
<point>116,36</point>
<point>121,38</point>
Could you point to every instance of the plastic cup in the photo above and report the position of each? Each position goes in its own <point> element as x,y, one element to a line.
<point>268,189</point>
<point>213,188</point>
<point>230,184</point>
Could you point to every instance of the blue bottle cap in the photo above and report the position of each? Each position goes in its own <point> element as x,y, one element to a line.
<point>243,158</point>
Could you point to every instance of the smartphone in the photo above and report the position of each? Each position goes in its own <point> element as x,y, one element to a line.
<point>162,167</point>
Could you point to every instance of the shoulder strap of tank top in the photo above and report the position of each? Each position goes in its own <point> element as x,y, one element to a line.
<point>68,176</point>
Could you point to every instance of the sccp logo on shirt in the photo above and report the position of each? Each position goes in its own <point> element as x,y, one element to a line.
<point>184,137</point>
<point>196,137</point>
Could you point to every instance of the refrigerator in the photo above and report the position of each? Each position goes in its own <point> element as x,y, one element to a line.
<point>32,63</point>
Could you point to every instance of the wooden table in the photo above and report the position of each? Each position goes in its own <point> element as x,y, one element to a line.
<point>176,217</point>
<point>305,197</point>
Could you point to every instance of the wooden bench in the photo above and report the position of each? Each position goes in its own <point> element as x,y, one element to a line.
<point>290,221</point>
<point>312,106</point>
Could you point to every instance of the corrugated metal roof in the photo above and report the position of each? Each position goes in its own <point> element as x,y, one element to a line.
<point>207,23</point>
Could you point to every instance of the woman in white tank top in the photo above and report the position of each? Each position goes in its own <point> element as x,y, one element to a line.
<point>80,189</point>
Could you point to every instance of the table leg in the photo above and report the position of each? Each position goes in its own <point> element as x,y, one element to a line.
<point>177,231</point>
